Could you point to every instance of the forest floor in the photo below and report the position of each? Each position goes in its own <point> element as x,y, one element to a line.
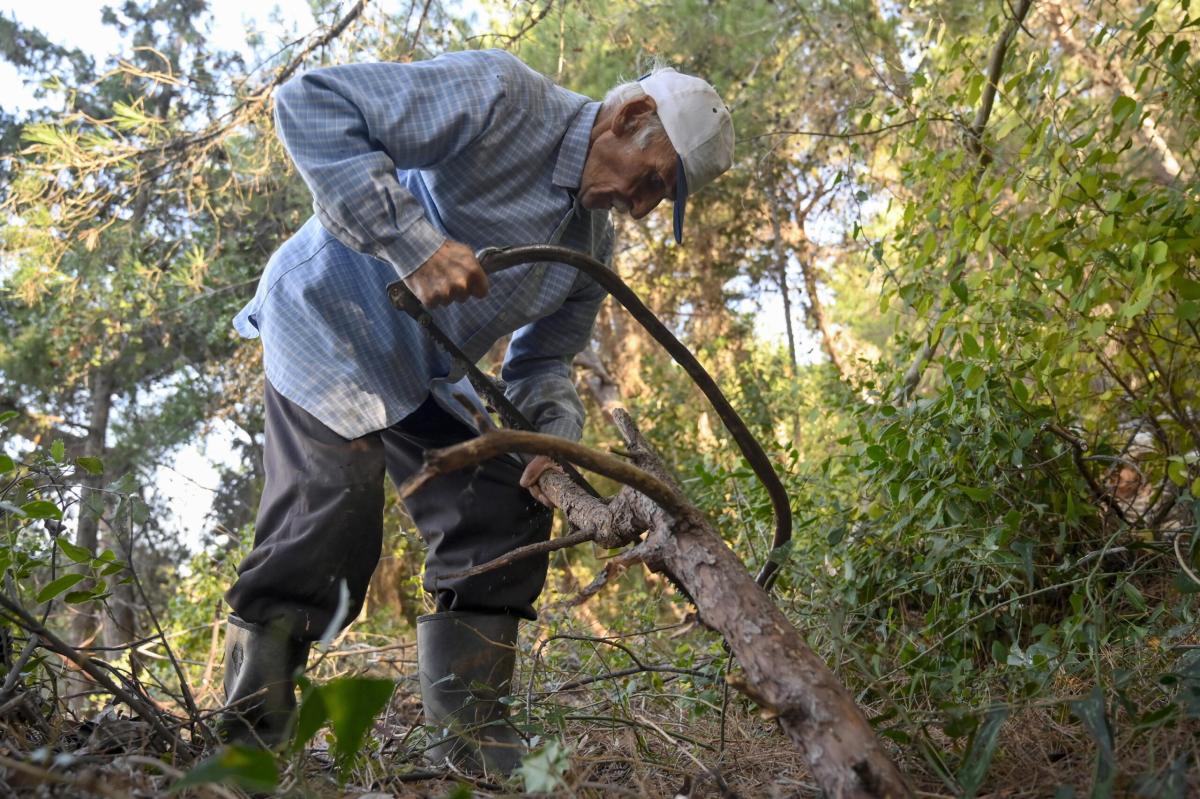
<point>625,737</point>
<point>663,726</point>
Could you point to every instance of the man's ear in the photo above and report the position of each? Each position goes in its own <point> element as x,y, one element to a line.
<point>632,113</point>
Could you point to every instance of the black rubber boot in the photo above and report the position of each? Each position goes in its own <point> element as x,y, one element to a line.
<point>466,665</point>
<point>261,665</point>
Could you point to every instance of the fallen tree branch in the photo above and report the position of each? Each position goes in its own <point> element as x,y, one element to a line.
<point>611,524</point>
<point>780,672</point>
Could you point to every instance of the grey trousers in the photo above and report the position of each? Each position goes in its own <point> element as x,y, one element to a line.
<point>320,521</point>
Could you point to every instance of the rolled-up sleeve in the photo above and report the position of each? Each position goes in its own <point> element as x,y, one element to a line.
<point>537,368</point>
<point>349,128</point>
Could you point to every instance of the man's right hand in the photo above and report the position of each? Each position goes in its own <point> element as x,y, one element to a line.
<point>451,274</point>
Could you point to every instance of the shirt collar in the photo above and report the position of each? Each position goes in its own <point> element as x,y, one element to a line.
<point>573,151</point>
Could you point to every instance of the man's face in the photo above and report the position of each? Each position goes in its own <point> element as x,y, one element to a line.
<point>620,175</point>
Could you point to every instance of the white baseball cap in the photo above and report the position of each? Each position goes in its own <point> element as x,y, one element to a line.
<point>699,127</point>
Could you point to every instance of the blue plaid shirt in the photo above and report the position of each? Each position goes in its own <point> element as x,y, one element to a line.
<point>474,147</point>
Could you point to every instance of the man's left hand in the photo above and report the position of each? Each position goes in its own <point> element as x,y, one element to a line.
<point>533,473</point>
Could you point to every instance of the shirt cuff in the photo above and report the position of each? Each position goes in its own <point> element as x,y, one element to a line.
<point>413,247</point>
<point>561,427</point>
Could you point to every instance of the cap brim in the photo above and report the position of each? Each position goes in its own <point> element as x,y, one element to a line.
<point>681,194</point>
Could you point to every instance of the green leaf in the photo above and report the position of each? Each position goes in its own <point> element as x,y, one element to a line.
<point>1138,253</point>
<point>312,715</point>
<point>8,416</point>
<point>111,568</point>
<point>970,346</point>
<point>75,553</point>
<point>90,465</point>
<point>960,290</point>
<point>353,703</point>
<point>542,771</point>
<point>959,724</point>
<point>41,509</point>
<point>1134,595</point>
<point>1158,252</point>
<point>6,464</point>
<point>1092,713</point>
<point>1187,288</point>
<point>975,493</point>
<point>56,587</point>
<point>58,450</point>
<point>1177,471</point>
<point>979,754</point>
<point>1122,107</point>
<point>1196,488</point>
<point>974,377</point>
<point>877,453</point>
<point>981,242</point>
<point>1020,391</point>
<point>252,769</point>
<point>460,791</point>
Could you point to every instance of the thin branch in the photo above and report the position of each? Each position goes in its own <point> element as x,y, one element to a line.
<point>995,66</point>
<point>494,443</point>
<point>912,377</point>
<point>1078,447</point>
<point>55,644</point>
<point>850,134</point>
<point>629,672</point>
<point>1183,561</point>
<point>520,553</point>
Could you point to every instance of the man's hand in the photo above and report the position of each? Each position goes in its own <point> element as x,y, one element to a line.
<point>451,274</point>
<point>533,473</point>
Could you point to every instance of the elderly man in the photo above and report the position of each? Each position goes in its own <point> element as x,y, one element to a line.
<point>412,168</point>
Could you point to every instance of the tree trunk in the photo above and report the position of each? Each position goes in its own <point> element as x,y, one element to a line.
<point>816,310</point>
<point>120,627</point>
<point>1110,71</point>
<point>85,623</point>
<point>781,277</point>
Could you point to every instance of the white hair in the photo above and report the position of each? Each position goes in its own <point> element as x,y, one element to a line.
<point>652,129</point>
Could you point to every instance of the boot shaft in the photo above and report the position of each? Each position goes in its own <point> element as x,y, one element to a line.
<point>261,664</point>
<point>465,663</point>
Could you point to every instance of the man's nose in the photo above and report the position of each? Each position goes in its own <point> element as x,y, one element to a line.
<point>644,205</point>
